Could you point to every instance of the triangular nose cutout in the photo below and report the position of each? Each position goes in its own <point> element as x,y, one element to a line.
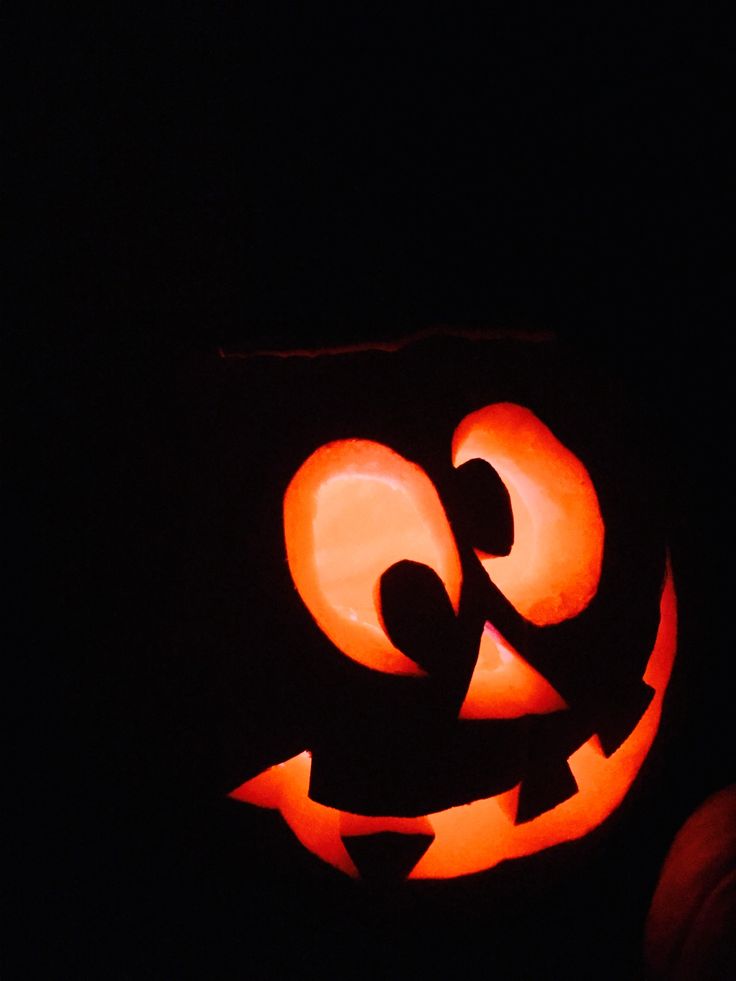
<point>504,685</point>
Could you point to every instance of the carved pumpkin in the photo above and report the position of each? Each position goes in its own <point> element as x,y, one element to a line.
<point>496,706</point>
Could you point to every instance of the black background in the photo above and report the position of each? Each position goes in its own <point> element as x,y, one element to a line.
<point>196,177</point>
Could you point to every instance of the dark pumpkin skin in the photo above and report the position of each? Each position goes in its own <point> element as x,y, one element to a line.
<point>691,924</point>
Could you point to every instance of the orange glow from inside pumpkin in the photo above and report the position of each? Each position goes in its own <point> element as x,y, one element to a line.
<point>353,510</point>
<point>554,566</point>
<point>476,836</point>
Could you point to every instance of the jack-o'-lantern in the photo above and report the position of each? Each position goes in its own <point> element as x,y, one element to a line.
<point>497,642</point>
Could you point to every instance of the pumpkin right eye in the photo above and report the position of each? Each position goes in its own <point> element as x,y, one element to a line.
<point>553,567</point>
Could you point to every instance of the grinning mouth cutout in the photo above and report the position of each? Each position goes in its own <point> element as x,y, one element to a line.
<point>476,836</point>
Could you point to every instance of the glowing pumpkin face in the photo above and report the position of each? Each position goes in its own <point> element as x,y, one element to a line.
<point>457,594</point>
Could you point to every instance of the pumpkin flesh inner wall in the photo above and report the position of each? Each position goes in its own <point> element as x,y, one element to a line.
<point>476,836</point>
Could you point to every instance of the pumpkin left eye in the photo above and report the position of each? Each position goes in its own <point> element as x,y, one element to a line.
<point>352,510</point>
